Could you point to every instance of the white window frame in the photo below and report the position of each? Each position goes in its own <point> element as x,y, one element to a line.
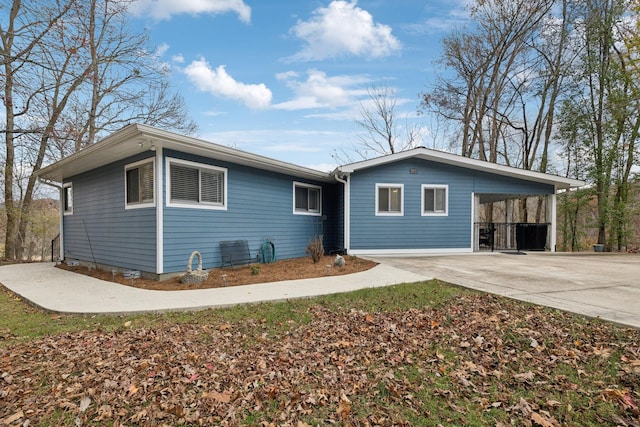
<point>138,205</point>
<point>307,212</point>
<point>67,186</point>
<point>377,204</point>
<point>446,199</point>
<point>199,166</point>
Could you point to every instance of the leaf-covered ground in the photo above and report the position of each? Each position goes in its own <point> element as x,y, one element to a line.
<point>473,360</point>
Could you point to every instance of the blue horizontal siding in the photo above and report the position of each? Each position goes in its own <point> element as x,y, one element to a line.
<point>412,230</point>
<point>259,206</point>
<point>101,230</point>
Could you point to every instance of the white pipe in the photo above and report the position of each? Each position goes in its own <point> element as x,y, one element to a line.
<point>552,212</point>
<point>347,208</point>
<point>159,197</point>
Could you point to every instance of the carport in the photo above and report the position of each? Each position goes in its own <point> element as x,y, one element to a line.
<point>501,223</point>
<point>424,201</point>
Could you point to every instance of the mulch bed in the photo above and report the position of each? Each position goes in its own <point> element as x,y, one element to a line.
<point>289,269</point>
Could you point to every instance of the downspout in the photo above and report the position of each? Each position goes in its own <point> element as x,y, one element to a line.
<point>347,209</point>
<point>60,197</point>
<point>159,197</point>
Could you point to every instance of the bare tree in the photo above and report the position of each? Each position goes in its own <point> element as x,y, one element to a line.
<point>490,68</point>
<point>72,71</point>
<point>504,82</point>
<point>380,128</point>
<point>22,30</point>
<point>126,81</point>
<point>123,81</point>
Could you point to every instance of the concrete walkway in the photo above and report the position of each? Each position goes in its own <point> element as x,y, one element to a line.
<point>62,291</point>
<point>603,285</point>
<point>596,285</point>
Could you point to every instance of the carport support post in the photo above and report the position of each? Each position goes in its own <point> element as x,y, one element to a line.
<point>475,235</point>
<point>551,219</point>
<point>507,220</point>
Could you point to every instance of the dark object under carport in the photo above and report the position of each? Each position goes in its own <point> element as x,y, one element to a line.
<point>531,237</point>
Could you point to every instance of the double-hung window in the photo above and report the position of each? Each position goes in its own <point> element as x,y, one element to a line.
<point>307,199</point>
<point>196,185</point>
<point>389,199</point>
<point>67,198</point>
<point>139,184</point>
<point>435,200</point>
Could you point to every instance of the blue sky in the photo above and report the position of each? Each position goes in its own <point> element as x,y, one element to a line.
<point>286,78</point>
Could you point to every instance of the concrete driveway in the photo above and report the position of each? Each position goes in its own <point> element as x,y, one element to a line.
<point>593,284</point>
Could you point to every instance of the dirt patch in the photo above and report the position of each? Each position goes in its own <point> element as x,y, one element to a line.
<point>289,269</point>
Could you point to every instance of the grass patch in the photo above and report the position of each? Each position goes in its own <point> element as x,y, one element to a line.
<point>20,321</point>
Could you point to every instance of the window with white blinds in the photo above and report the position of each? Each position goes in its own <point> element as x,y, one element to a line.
<point>139,184</point>
<point>196,184</point>
<point>184,184</point>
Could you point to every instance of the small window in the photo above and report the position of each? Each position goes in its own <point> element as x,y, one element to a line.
<point>194,184</point>
<point>67,199</point>
<point>434,199</point>
<point>306,199</point>
<point>389,199</point>
<point>139,184</point>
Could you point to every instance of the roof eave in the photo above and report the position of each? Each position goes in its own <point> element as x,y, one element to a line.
<point>126,142</point>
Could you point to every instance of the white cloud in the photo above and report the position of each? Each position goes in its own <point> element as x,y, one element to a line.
<point>321,91</point>
<point>213,113</point>
<point>442,20</point>
<point>299,146</point>
<point>156,56</point>
<point>322,167</point>
<point>219,83</point>
<point>341,29</point>
<point>178,59</point>
<point>351,114</point>
<point>295,147</point>
<point>165,9</point>
<point>161,50</point>
<point>362,100</point>
<point>287,75</point>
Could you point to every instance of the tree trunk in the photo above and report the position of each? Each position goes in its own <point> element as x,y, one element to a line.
<point>11,210</point>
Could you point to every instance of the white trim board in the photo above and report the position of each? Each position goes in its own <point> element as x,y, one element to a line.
<point>405,252</point>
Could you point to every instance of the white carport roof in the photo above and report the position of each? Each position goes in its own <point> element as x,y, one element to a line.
<point>452,159</point>
<point>136,138</point>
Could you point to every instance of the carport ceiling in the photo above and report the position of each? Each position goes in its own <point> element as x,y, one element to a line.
<point>492,198</point>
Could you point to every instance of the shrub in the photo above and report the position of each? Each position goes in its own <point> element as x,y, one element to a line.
<point>315,248</point>
<point>255,270</point>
